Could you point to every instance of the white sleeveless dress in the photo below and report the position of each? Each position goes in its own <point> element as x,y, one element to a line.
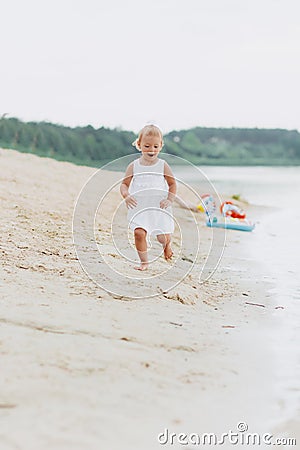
<point>149,187</point>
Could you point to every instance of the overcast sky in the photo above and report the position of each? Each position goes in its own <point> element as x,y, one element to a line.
<point>179,63</point>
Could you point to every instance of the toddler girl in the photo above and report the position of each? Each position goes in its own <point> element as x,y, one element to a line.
<point>149,188</point>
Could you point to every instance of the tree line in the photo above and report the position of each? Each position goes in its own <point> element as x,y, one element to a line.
<point>200,145</point>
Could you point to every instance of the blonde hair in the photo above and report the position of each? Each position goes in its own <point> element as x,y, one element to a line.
<point>148,130</point>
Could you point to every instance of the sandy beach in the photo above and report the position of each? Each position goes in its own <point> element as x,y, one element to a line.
<point>86,369</point>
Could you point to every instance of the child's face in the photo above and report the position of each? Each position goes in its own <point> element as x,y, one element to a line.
<point>150,146</point>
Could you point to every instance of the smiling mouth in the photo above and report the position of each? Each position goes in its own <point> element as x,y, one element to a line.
<point>150,154</point>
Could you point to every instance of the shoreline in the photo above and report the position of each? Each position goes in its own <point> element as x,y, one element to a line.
<point>80,364</point>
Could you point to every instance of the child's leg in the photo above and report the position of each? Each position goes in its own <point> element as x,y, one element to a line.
<point>141,245</point>
<point>165,240</point>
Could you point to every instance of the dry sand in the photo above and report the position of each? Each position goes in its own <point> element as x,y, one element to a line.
<point>85,369</point>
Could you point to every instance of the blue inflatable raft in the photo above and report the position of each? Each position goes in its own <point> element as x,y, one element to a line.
<point>230,224</point>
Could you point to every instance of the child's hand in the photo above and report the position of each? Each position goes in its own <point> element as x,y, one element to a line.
<point>165,203</point>
<point>130,202</point>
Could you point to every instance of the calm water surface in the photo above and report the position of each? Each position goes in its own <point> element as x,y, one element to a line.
<point>278,231</point>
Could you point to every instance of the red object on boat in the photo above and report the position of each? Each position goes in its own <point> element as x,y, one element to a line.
<point>228,209</point>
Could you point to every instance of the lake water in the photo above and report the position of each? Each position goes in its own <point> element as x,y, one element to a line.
<point>275,246</point>
<point>277,235</point>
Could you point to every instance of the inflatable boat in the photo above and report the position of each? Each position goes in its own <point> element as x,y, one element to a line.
<point>230,223</point>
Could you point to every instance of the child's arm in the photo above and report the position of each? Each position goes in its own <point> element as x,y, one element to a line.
<point>169,177</point>
<point>129,199</point>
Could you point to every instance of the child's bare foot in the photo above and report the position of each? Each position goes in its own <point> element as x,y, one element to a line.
<point>168,252</point>
<point>142,266</point>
